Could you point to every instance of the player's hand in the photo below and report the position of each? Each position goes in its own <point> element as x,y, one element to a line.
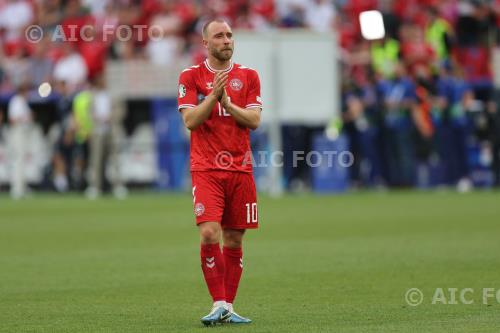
<point>224,100</point>
<point>220,81</point>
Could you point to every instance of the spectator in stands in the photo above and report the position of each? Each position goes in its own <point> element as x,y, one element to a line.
<point>448,10</point>
<point>102,139</point>
<point>438,33</point>
<point>476,64</point>
<point>398,95</point>
<point>354,125</point>
<point>65,146</point>
<point>495,8</point>
<point>41,66</point>
<point>94,50</point>
<point>20,121</point>
<point>355,7</point>
<point>49,14</point>
<point>166,49</point>
<point>82,121</point>
<point>248,19</point>
<point>392,22</point>
<point>385,55</point>
<point>454,100</point>
<point>415,50</point>
<point>347,31</point>
<point>475,25</point>
<point>320,15</point>
<point>292,13</point>
<point>267,10</point>
<point>14,17</point>
<point>97,7</point>
<point>1,123</point>
<point>3,158</point>
<point>104,16</point>
<point>421,113</point>
<point>494,126</point>
<point>17,68</point>
<point>71,68</point>
<point>75,17</point>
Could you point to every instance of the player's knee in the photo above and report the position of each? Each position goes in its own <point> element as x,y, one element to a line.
<point>233,243</point>
<point>209,234</point>
<point>233,239</point>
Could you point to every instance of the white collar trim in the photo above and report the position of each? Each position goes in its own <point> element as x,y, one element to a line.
<point>214,70</point>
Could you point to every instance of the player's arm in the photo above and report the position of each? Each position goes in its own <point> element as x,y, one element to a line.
<point>249,117</point>
<point>194,117</point>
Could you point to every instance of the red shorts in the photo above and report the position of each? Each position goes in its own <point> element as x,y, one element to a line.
<point>226,197</point>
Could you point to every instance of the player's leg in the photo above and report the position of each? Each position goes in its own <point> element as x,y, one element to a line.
<point>212,260</point>
<point>208,200</point>
<point>213,267</point>
<point>233,257</point>
<point>240,214</point>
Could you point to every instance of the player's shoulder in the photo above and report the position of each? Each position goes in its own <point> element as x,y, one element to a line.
<point>190,70</point>
<point>244,68</point>
<point>250,71</point>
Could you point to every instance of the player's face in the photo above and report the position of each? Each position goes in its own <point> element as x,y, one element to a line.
<point>219,41</point>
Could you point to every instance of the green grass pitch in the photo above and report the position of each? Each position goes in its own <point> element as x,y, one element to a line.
<point>317,264</point>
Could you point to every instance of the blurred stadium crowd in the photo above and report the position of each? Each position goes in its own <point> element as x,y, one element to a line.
<point>420,105</point>
<point>417,105</point>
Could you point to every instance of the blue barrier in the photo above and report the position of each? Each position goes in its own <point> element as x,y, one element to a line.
<point>330,173</point>
<point>261,158</point>
<point>480,171</point>
<point>172,144</point>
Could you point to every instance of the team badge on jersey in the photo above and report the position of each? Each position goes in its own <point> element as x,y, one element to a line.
<point>236,84</point>
<point>182,90</point>
<point>199,209</point>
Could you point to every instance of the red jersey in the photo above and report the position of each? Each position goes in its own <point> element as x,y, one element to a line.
<point>220,143</point>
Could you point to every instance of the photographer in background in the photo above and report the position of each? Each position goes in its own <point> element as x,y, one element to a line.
<point>103,142</point>
<point>20,120</point>
<point>494,136</point>
<point>64,154</point>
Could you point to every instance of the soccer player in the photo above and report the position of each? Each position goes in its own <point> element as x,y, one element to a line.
<point>220,103</point>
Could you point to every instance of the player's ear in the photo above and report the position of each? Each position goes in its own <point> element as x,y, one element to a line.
<point>205,43</point>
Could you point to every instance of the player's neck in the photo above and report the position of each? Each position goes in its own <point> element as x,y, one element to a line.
<point>218,65</point>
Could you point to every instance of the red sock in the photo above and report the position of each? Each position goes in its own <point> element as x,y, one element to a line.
<point>234,267</point>
<point>212,265</point>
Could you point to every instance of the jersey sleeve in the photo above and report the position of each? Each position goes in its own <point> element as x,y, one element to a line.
<point>253,96</point>
<point>187,96</point>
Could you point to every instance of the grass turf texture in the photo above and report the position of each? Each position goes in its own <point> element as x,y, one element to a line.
<point>317,264</point>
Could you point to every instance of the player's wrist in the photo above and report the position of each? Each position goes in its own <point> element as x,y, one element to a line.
<point>212,98</point>
<point>228,106</point>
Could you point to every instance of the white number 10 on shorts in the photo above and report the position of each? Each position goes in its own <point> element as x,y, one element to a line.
<point>251,212</point>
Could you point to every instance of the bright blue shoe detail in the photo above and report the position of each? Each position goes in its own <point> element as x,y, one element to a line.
<point>216,316</point>
<point>237,319</point>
